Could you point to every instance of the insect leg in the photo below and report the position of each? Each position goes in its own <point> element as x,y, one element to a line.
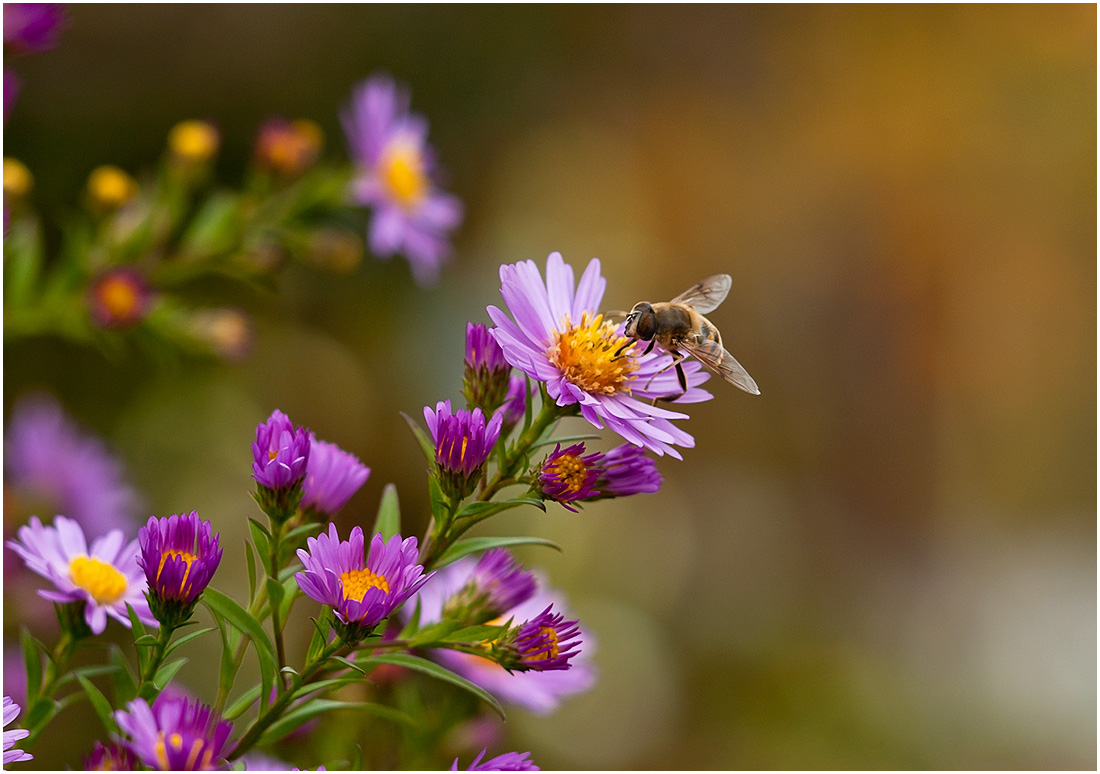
<point>677,359</point>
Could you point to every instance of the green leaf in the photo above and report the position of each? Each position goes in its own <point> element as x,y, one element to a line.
<point>388,521</point>
<point>290,593</point>
<point>435,670</point>
<point>228,609</point>
<point>262,540</point>
<point>96,670</point>
<point>327,685</point>
<point>100,704</point>
<point>32,661</point>
<point>437,499</point>
<point>39,713</point>
<point>473,545</point>
<point>481,510</point>
<point>275,592</point>
<point>349,664</point>
<point>187,638</point>
<point>434,633</point>
<point>167,671</point>
<point>321,625</point>
<point>124,681</point>
<point>241,705</point>
<point>146,640</point>
<point>422,439</point>
<point>250,558</point>
<point>311,709</point>
<point>482,633</point>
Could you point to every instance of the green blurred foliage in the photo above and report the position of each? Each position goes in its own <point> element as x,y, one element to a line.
<point>885,561</point>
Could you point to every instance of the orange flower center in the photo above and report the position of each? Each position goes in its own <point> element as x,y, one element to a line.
<point>402,170</point>
<point>585,354</point>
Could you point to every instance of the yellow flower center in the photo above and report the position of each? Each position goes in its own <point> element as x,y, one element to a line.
<point>176,741</point>
<point>552,651</point>
<point>570,470</point>
<point>185,556</point>
<point>102,580</point>
<point>402,170</point>
<point>119,296</point>
<point>585,354</point>
<point>356,583</point>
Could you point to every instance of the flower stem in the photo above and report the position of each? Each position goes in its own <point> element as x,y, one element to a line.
<point>277,707</point>
<point>147,688</point>
<point>276,623</point>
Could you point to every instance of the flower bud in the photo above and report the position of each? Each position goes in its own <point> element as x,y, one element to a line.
<point>485,383</point>
<point>463,442</point>
<point>179,555</point>
<point>546,642</point>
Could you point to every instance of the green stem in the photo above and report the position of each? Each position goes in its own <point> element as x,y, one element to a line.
<point>58,664</point>
<point>505,475</point>
<point>276,623</point>
<point>164,636</point>
<point>277,707</point>
<point>256,610</point>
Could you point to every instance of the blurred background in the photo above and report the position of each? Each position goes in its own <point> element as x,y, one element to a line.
<point>888,559</point>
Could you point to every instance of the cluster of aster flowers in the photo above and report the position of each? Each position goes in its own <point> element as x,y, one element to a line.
<point>385,606</point>
<point>459,606</point>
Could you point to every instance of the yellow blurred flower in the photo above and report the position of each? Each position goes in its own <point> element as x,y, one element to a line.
<point>193,142</point>
<point>110,187</point>
<point>18,180</point>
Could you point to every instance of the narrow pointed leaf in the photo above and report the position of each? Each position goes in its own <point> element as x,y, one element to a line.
<point>422,439</point>
<point>388,521</point>
<point>435,670</point>
<point>311,709</point>
<point>32,662</point>
<point>473,545</point>
<point>241,705</point>
<point>100,704</point>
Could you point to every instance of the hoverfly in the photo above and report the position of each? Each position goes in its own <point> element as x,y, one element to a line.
<point>680,329</point>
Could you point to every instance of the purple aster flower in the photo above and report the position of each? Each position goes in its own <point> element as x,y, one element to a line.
<point>30,27</point>
<point>110,757</point>
<point>463,442</point>
<point>119,298</point>
<point>558,337</point>
<point>544,643</point>
<point>485,383</point>
<point>511,761</point>
<point>332,477</point>
<point>539,692</point>
<point>626,470</point>
<point>497,584</point>
<point>280,460</point>
<point>362,592</point>
<point>569,475</point>
<point>106,576</point>
<point>11,754</point>
<point>389,146</point>
<point>175,734</point>
<point>179,555</point>
<point>51,465</point>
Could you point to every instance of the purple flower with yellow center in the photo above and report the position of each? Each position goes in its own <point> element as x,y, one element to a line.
<point>31,27</point>
<point>11,753</point>
<point>280,460</point>
<point>106,576</point>
<point>179,555</point>
<point>485,383</point>
<point>110,757</point>
<point>119,298</point>
<point>175,734</point>
<point>362,592</point>
<point>332,477</point>
<point>569,475</point>
<point>539,692</point>
<point>497,584</point>
<point>558,337</point>
<point>510,761</point>
<point>52,465</point>
<point>463,441</point>
<point>626,470</point>
<point>389,146</point>
<point>546,642</point>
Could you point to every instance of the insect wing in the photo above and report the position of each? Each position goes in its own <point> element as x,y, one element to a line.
<point>715,357</point>
<point>707,295</point>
